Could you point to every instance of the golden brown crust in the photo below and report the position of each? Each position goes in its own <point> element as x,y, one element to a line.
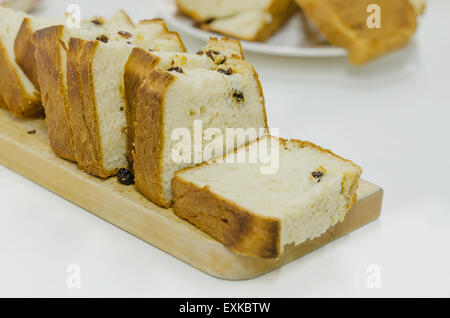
<point>2,102</point>
<point>138,66</point>
<point>237,228</point>
<point>48,46</point>
<point>24,49</point>
<point>20,103</point>
<point>261,93</point>
<point>344,23</point>
<point>82,108</point>
<point>149,138</point>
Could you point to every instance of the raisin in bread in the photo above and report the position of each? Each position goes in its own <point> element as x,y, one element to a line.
<point>96,94</point>
<point>19,93</point>
<point>175,101</point>
<point>344,23</point>
<point>257,214</point>
<point>213,56</point>
<point>51,46</point>
<point>253,20</point>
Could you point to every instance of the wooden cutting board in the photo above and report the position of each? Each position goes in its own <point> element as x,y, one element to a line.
<point>24,147</point>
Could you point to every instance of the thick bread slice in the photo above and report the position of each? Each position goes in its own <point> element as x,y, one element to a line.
<point>141,62</point>
<point>257,214</point>
<point>254,20</point>
<point>100,142</point>
<point>51,45</point>
<point>344,23</point>
<point>18,92</point>
<point>171,102</point>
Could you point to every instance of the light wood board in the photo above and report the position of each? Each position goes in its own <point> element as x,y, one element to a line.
<point>30,155</point>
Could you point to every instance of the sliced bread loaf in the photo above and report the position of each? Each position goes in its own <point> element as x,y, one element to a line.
<point>51,46</point>
<point>96,95</point>
<point>213,56</point>
<point>19,93</point>
<point>185,112</point>
<point>344,23</point>
<point>254,20</point>
<point>257,214</point>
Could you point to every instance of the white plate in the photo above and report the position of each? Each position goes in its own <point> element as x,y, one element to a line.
<point>291,40</point>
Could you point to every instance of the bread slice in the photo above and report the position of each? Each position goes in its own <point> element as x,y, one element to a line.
<point>213,56</point>
<point>253,20</point>
<point>18,92</point>
<point>96,95</point>
<point>171,102</point>
<point>24,47</point>
<point>344,23</point>
<point>257,214</point>
<point>51,45</point>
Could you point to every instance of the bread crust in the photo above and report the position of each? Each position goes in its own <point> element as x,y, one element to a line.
<point>208,210</point>
<point>2,102</point>
<point>83,109</point>
<point>24,49</point>
<point>167,33</point>
<point>150,136</point>
<point>138,66</point>
<point>19,102</point>
<point>350,31</point>
<point>48,46</point>
<point>237,228</point>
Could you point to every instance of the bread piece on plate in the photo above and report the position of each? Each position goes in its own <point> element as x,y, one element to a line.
<point>213,56</point>
<point>344,23</point>
<point>51,45</point>
<point>256,214</point>
<point>194,109</point>
<point>18,92</point>
<point>253,20</point>
<point>96,95</point>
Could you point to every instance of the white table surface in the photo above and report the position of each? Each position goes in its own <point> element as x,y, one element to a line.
<point>391,117</point>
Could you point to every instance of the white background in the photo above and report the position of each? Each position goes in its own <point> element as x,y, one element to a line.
<point>391,117</point>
